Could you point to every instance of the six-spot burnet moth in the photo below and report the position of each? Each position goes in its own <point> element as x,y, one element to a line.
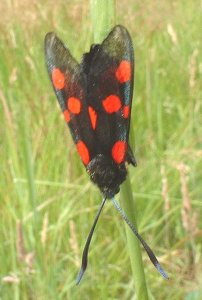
<point>95,97</point>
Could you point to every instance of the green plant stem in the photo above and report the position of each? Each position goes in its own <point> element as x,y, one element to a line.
<point>134,249</point>
<point>103,19</point>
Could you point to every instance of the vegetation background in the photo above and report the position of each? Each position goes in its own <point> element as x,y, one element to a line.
<point>47,203</point>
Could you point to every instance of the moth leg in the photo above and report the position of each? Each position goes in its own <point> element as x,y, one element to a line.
<point>130,158</point>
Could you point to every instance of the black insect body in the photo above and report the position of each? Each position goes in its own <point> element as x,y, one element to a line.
<point>95,97</point>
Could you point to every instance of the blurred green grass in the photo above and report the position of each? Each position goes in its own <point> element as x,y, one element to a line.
<point>43,183</point>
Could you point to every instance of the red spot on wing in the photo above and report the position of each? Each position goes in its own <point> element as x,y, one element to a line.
<point>74,105</point>
<point>111,104</point>
<point>58,79</point>
<point>119,151</point>
<point>83,152</point>
<point>123,72</point>
<point>93,116</point>
<point>66,115</point>
<point>126,110</point>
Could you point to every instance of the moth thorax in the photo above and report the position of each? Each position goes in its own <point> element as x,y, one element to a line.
<point>106,174</point>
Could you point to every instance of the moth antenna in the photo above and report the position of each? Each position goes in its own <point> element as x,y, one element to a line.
<point>144,244</point>
<point>87,244</point>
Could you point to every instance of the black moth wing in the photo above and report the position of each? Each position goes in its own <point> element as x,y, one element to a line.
<point>69,83</point>
<point>109,68</point>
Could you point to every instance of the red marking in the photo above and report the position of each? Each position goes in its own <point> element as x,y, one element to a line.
<point>119,151</point>
<point>58,79</point>
<point>123,72</point>
<point>66,115</point>
<point>83,152</point>
<point>126,111</point>
<point>111,104</point>
<point>74,105</point>
<point>93,116</point>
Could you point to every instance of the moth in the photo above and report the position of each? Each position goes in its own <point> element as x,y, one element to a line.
<point>95,97</point>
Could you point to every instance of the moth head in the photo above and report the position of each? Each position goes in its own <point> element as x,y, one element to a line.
<point>106,174</point>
